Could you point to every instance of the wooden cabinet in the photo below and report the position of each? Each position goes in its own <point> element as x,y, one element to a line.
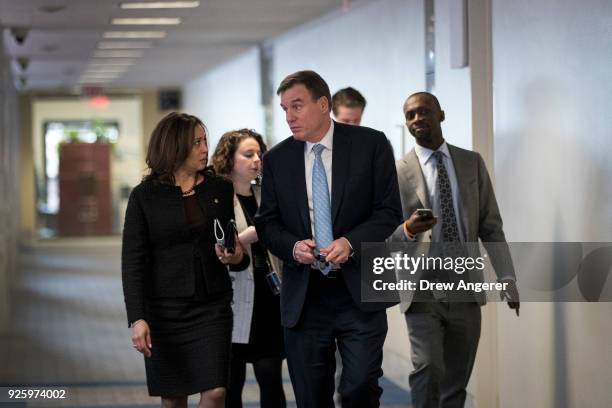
<point>85,189</point>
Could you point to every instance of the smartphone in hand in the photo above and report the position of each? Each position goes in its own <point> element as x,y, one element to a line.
<point>425,213</point>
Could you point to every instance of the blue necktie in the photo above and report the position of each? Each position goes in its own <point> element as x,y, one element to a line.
<point>322,207</point>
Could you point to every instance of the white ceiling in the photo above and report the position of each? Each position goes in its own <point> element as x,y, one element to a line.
<point>60,44</point>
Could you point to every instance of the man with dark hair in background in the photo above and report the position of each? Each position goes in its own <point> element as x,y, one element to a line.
<point>348,105</point>
<point>325,190</point>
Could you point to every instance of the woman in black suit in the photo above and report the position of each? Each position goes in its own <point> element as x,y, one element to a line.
<point>175,280</point>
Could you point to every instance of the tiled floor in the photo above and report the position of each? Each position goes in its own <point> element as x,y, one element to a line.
<point>69,331</point>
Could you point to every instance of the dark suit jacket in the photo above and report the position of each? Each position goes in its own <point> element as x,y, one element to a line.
<point>158,250</point>
<point>479,211</point>
<point>365,207</point>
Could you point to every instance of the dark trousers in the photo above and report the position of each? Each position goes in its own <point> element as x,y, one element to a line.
<point>269,376</point>
<point>444,338</point>
<point>330,317</point>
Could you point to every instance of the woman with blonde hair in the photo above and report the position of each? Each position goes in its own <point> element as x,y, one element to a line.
<point>257,336</point>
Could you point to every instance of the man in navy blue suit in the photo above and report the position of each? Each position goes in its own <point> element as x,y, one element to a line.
<point>327,189</point>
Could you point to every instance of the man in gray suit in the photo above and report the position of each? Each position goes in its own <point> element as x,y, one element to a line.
<point>454,183</point>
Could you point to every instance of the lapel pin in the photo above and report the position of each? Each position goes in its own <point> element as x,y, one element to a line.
<point>216,201</point>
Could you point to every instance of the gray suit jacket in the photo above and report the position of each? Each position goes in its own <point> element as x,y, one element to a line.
<point>479,211</point>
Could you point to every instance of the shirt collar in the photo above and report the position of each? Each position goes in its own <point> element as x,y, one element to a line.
<point>424,154</point>
<point>327,141</point>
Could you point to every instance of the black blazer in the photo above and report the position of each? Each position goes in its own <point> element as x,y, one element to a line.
<point>365,207</point>
<point>158,251</point>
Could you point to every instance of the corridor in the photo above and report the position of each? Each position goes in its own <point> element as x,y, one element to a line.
<point>68,331</point>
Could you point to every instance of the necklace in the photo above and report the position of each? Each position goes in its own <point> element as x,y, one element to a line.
<point>188,192</point>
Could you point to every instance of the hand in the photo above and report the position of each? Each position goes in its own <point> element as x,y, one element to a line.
<point>512,295</point>
<point>141,337</point>
<point>228,258</point>
<point>338,251</point>
<point>248,236</point>
<point>416,224</point>
<point>303,251</point>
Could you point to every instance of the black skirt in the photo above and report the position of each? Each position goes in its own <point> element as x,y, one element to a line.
<point>191,341</point>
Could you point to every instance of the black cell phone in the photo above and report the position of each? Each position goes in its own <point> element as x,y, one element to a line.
<point>230,237</point>
<point>319,256</point>
<point>425,213</point>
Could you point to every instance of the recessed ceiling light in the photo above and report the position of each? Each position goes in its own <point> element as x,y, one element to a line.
<point>134,34</point>
<point>117,54</point>
<point>160,5</point>
<point>123,45</point>
<point>147,21</point>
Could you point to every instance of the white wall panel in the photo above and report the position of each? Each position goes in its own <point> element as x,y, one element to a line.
<point>228,97</point>
<point>377,48</point>
<point>552,96</point>
<point>452,84</point>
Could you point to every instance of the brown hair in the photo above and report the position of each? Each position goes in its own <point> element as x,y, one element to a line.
<point>316,86</point>
<point>170,145</point>
<point>349,97</point>
<point>223,158</point>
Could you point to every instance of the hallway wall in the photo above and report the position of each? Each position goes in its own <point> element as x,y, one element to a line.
<point>9,203</point>
<point>377,47</point>
<point>383,59</point>
<point>553,92</point>
<point>228,97</point>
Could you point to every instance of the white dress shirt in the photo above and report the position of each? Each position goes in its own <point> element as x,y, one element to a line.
<point>430,173</point>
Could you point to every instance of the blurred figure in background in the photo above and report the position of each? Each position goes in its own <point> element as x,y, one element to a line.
<point>175,280</point>
<point>257,337</point>
<point>348,106</point>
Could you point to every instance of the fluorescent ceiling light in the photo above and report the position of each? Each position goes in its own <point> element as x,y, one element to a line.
<point>111,62</point>
<point>117,54</point>
<point>123,45</point>
<point>103,75</point>
<point>92,81</point>
<point>134,34</point>
<point>147,21</point>
<point>103,69</point>
<point>160,5</point>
